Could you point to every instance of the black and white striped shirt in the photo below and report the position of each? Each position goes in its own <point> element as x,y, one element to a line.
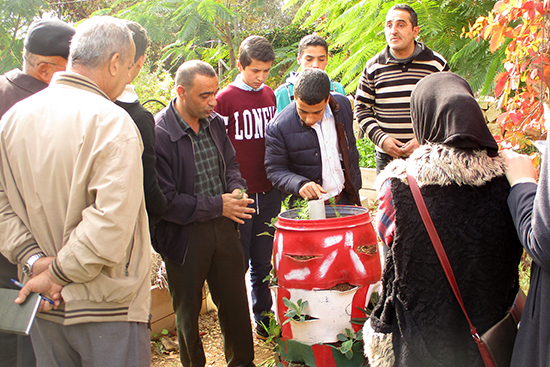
<point>382,103</point>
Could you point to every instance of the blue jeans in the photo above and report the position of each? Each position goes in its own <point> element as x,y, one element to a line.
<point>258,250</point>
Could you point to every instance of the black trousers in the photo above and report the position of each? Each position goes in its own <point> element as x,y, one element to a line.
<point>214,254</point>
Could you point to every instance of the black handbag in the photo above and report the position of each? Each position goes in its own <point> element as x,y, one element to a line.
<point>497,343</point>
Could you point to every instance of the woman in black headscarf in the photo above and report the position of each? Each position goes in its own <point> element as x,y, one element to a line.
<point>418,321</point>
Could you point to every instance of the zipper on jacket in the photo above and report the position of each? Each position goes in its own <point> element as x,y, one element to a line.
<point>127,267</point>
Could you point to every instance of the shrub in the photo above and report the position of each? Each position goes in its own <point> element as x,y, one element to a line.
<point>366,153</point>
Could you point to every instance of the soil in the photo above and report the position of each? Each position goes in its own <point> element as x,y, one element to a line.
<point>213,346</point>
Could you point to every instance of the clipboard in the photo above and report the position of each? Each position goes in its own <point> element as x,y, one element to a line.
<point>15,318</point>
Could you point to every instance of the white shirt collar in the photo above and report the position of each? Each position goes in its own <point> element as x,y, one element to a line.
<point>239,83</point>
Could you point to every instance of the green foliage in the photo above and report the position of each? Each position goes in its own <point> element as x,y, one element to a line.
<point>348,339</point>
<point>366,153</point>
<point>15,18</point>
<point>210,30</point>
<point>285,205</point>
<point>273,329</point>
<point>285,42</point>
<point>159,348</point>
<point>303,208</point>
<point>332,203</point>
<point>271,278</point>
<point>271,225</point>
<point>355,32</point>
<point>525,272</point>
<point>375,297</point>
<point>154,84</point>
<point>295,311</point>
<point>242,191</point>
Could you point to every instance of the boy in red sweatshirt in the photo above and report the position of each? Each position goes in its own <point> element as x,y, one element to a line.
<point>247,105</point>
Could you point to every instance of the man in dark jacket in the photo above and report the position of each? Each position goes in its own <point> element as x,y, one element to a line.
<point>310,146</point>
<point>155,202</point>
<point>46,50</point>
<point>197,235</point>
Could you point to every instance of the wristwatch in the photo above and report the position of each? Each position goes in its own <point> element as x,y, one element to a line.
<point>27,268</point>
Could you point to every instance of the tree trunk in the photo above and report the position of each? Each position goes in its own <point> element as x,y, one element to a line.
<point>229,42</point>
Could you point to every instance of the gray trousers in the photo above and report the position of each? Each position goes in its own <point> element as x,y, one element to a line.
<point>94,344</point>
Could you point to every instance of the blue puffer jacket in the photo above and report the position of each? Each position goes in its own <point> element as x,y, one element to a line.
<point>293,154</point>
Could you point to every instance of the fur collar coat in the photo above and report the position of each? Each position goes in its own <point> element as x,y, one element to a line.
<point>418,321</point>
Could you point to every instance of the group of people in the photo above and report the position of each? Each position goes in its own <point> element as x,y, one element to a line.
<point>88,185</point>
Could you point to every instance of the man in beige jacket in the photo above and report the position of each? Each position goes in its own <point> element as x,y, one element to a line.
<point>71,196</point>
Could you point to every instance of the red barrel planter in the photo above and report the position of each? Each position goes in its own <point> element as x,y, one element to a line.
<point>332,263</point>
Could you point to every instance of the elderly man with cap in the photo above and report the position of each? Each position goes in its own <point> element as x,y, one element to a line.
<point>46,50</point>
<point>71,194</point>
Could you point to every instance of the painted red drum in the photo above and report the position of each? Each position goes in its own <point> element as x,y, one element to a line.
<point>322,253</point>
<point>333,264</point>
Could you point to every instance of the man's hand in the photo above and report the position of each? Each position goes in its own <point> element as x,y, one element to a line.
<point>45,284</point>
<point>41,265</point>
<point>392,147</point>
<point>312,191</point>
<point>518,166</point>
<point>235,206</point>
<point>409,147</point>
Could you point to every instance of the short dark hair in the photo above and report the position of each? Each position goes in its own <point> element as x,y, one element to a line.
<point>312,86</point>
<point>407,8</point>
<point>139,34</point>
<point>257,48</point>
<point>187,71</point>
<point>311,40</point>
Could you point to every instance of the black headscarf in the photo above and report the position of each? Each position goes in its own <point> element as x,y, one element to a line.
<point>444,111</point>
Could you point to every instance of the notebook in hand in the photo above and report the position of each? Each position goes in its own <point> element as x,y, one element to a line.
<point>15,318</point>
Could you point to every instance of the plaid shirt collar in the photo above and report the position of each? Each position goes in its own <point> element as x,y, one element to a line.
<point>204,123</point>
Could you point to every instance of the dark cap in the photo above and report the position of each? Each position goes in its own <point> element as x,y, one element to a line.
<point>49,37</point>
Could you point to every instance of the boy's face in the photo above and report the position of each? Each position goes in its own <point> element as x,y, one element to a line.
<point>313,57</point>
<point>256,73</point>
<point>310,114</point>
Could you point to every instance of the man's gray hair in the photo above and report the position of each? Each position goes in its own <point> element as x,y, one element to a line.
<point>98,39</point>
<point>187,71</point>
<point>30,60</point>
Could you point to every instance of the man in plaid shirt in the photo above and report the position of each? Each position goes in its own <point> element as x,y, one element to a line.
<point>197,235</point>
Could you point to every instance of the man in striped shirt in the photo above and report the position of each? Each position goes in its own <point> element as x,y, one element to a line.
<point>382,103</point>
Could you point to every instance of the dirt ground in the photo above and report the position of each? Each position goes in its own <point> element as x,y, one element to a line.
<point>213,346</point>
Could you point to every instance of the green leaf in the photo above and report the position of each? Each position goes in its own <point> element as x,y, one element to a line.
<point>341,337</point>
<point>346,346</point>
<point>266,233</point>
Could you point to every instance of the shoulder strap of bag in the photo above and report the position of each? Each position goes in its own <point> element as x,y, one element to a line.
<point>444,260</point>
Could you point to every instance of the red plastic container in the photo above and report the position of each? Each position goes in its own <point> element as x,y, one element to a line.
<point>322,253</point>
<point>332,263</point>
